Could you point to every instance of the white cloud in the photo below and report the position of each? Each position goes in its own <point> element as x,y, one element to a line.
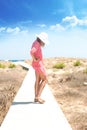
<point>73,21</point>
<point>57,27</point>
<point>15,30</point>
<point>41,25</point>
<point>25,22</point>
<point>2,29</point>
<point>69,22</point>
<point>24,31</point>
<point>83,22</point>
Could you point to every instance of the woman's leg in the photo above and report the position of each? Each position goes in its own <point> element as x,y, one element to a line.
<point>42,84</point>
<point>36,84</point>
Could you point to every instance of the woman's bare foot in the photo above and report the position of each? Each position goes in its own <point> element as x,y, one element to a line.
<point>39,100</point>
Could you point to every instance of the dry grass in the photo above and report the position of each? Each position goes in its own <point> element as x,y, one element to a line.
<point>69,90</point>
<point>10,82</point>
<point>67,85</point>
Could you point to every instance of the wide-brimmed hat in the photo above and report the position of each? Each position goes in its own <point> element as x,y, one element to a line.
<point>43,37</point>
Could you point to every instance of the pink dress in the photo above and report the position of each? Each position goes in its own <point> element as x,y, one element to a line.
<point>36,51</point>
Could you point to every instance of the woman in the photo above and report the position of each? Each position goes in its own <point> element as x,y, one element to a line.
<point>37,64</point>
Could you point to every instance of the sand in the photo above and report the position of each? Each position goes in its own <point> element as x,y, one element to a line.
<point>68,85</point>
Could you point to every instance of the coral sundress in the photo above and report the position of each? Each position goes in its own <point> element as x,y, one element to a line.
<point>36,51</point>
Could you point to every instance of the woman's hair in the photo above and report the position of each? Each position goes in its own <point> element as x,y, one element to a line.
<point>41,43</point>
<point>38,40</point>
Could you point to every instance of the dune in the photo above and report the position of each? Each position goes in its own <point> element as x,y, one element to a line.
<point>67,83</point>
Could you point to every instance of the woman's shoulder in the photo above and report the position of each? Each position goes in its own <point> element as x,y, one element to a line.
<point>36,44</point>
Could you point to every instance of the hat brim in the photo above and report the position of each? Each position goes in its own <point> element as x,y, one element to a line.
<point>45,41</point>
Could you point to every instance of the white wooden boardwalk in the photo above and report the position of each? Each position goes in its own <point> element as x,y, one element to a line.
<point>24,114</point>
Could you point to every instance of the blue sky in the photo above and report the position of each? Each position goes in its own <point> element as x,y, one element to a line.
<point>65,22</point>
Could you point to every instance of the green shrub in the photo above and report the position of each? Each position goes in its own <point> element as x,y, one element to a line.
<point>12,65</point>
<point>59,66</point>
<point>85,71</point>
<point>77,63</point>
<point>2,65</point>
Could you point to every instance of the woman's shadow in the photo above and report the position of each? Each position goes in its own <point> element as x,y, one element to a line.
<point>24,103</point>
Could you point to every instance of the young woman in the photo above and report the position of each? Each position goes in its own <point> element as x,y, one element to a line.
<point>37,64</point>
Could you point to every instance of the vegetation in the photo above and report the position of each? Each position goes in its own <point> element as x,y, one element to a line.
<point>12,65</point>
<point>85,71</point>
<point>59,66</point>
<point>62,65</point>
<point>7,65</point>
<point>77,63</point>
<point>2,65</point>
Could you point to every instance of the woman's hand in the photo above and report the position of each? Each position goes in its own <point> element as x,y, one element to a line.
<point>36,59</point>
